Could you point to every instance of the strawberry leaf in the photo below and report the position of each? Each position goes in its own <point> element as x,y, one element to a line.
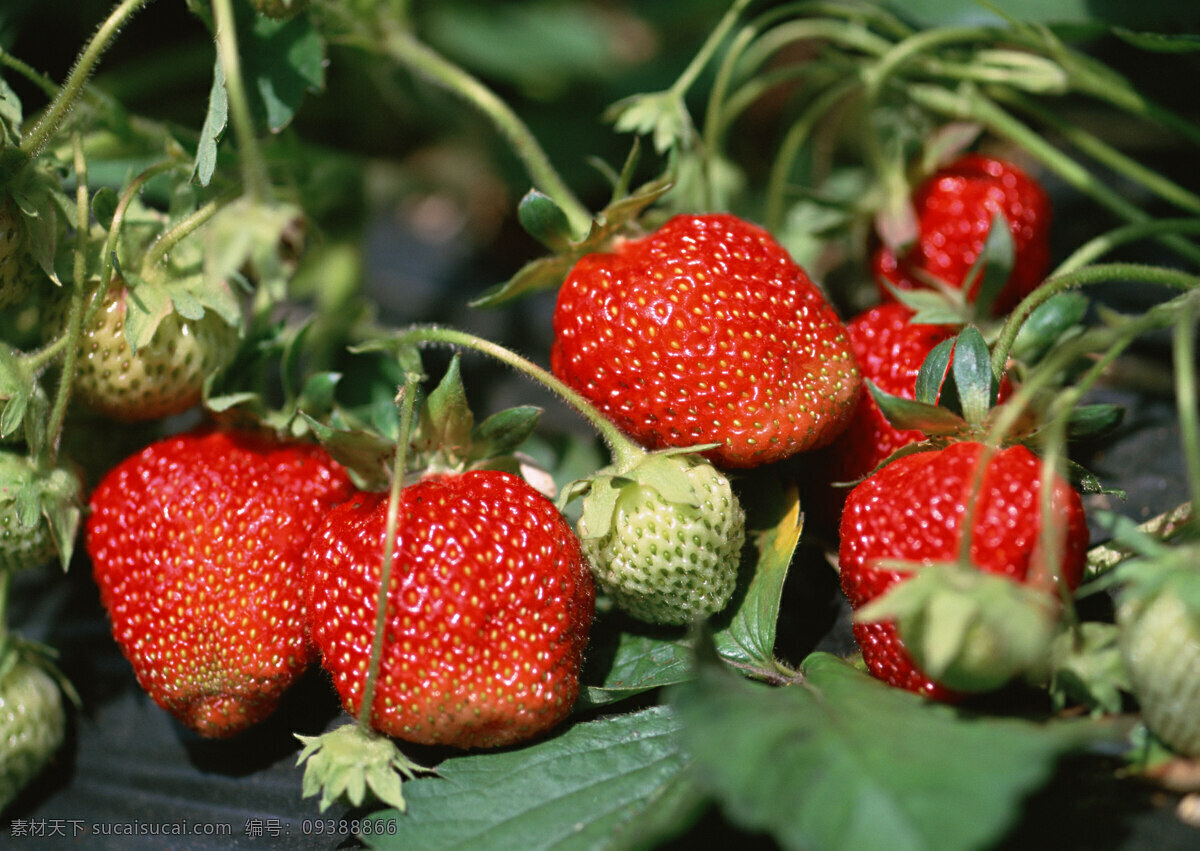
<point>614,782</point>
<point>843,760</point>
<point>633,663</point>
<point>774,522</point>
<point>1094,420</point>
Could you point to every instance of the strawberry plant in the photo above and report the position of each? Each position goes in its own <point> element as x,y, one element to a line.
<point>840,435</point>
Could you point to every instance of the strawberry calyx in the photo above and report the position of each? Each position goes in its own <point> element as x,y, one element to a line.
<point>351,759</point>
<point>970,630</point>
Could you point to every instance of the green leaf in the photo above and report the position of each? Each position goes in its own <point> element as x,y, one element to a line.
<point>632,662</point>
<point>544,220</point>
<point>573,791</point>
<point>282,61</point>
<point>774,523</point>
<point>845,761</point>
<point>1160,42</point>
<point>1094,420</point>
<point>215,121</point>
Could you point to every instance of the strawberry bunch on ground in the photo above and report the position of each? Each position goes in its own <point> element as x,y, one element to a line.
<point>954,209</point>
<point>706,331</point>
<point>196,545</point>
<point>488,613</point>
<point>915,513</point>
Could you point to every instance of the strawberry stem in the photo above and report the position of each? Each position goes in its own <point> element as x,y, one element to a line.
<point>405,400</point>
<point>41,133</point>
<point>1060,282</point>
<point>624,451</point>
<point>62,396</point>
<point>402,45</point>
<point>178,232</point>
<point>1184,346</point>
<point>254,169</point>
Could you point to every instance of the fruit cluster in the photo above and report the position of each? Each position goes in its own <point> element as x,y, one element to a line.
<point>259,497</point>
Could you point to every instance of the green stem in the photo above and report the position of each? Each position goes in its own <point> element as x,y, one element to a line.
<point>254,169</point>
<point>793,142</point>
<point>680,87</point>
<point>114,231</point>
<point>58,412</point>
<point>1097,247</point>
<point>973,105</point>
<point>403,46</point>
<point>49,87</point>
<point>157,252</point>
<point>1086,276</point>
<point>1184,346</point>
<point>41,133</point>
<point>624,451</point>
<point>405,400</point>
<point>1104,153</point>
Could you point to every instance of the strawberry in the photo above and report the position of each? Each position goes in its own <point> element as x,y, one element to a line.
<point>706,331</point>
<point>664,538</point>
<point>890,350</point>
<point>32,722</point>
<point>196,546</point>
<point>488,614</point>
<point>1158,621</point>
<point>912,511</point>
<point>954,208</point>
<point>164,377</point>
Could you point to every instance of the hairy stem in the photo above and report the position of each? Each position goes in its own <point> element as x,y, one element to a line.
<point>41,133</point>
<point>624,450</point>
<point>405,400</point>
<point>254,168</point>
<point>403,46</point>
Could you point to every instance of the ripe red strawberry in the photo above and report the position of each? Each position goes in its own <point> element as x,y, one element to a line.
<point>954,208</point>
<point>164,377</point>
<point>890,350</point>
<point>488,615</point>
<point>196,546</point>
<point>912,510</point>
<point>706,331</point>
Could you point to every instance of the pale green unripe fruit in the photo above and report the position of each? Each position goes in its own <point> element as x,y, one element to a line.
<point>1160,645</point>
<point>665,539</point>
<point>32,725</point>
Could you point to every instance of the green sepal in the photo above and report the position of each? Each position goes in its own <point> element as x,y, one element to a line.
<point>502,432</point>
<point>1086,669</point>
<point>661,115</point>
<point>446,421</point>
<point>974,383</point>
<point>933,372</point>
<point>346,762</point>
<point>547,273</point>
<point>366,455</point>
<point>1094,420</point>
<point>971,631</point>
<point>544,220</point>
<point>1049,324</point>
<point>995,264</point>
<point>907,414</point>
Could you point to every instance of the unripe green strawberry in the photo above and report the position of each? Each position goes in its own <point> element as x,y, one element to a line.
<point>1159,632</point>
<point>665,538</point>
<point>39,512</point>
<point>32,724</point>
<point>164,377</point>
